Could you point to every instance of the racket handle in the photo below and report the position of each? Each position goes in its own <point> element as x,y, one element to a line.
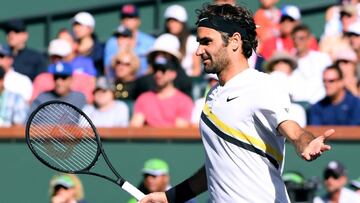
<point>133,190</point>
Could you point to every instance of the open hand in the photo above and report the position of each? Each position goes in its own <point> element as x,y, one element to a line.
<point>156,197</point>
<point>317,146</point>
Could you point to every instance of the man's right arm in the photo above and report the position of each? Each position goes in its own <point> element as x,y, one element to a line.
<point>182,192</point>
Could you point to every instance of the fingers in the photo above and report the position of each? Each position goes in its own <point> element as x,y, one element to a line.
<point>328,133</point>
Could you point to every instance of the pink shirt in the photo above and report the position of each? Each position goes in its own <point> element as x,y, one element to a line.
<point>163,112</point>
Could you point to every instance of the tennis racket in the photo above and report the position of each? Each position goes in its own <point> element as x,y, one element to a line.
<point>63,138</point>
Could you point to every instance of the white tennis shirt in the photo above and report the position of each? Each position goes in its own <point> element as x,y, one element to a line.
<point>244,151</point>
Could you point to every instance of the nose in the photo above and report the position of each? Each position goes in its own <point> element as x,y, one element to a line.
<point>199,50</point>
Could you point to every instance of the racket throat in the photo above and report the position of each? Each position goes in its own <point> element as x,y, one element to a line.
<point>120,181</point>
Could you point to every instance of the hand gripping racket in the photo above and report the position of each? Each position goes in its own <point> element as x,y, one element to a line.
<point>63,138</point>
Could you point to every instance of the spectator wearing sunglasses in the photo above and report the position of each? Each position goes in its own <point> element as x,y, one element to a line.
<point>339,107</point>
<point>335,179</point>
<point>62,75</point>
<point>125,64</point>
<point>164,106</point>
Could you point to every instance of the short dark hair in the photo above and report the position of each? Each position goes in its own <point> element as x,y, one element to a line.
<point>336,68</point>
<point>301,27</point>
<point>235,14</point>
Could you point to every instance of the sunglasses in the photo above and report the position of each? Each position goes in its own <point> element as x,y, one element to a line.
<point>119,62</point>
<point>63,77</point>
<point>327,175</point>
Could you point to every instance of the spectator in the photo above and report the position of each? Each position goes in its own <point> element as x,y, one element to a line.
<point>339,107</point>
<point>26,60</point>
<point>13,106</point>
<point>281,66</point>
<point>176,17</point>
<point>346,60</point>
<point>306,79</point>
<point>290,18</point>
<point>354,34</point>
<point>166,106</point>
<point>267,17</point>
<point>168,45</point>
<point>331,42</point>
<point>130,18</point>
<point>66,188</point>
<point>106,111</point>
<point>63,78</point>
<point>355,184</point>
<point>126,65</point>
<point>80,64</point>
<point>335,178</point>
<point>125,38</point>
<point>14,81</point>
<point>156,178</point>
<point>82,82</point>
<point>83,27</point>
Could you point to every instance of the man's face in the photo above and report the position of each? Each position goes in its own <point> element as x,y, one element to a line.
<point>355,42</point>
<point>164,77</point>
<point>132,23</point>
<point>334,183</point>
<point>81,31</point>
<point>6,62</point>
<point>301,40</point>
<point>156,183</point>
<point>212,50</point>
<point>287,25</point>
<point>332,83</point>
<point>62,85</point>
<point>16,39</point>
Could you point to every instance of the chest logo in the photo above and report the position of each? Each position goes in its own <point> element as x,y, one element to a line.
<point>231,98</point>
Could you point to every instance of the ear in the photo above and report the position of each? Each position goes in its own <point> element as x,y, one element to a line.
<point>235,42</point>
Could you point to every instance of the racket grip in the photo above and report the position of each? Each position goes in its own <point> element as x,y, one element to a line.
<point>133,190</point>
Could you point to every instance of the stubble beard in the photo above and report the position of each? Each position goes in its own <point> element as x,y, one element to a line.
<point>218,62</point>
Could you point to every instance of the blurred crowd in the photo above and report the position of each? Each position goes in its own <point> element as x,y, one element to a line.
<point>136,79</point>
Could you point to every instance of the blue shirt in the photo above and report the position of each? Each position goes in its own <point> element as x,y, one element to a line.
<point>143,44</point>
<point>345,113</point>
<point>83,64</point>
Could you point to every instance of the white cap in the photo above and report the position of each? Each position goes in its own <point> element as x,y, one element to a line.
<point>59,47</point>
<point>177,12</point>
<point>84,18</point>
<point>291,11</point>
<point>354,28</point>
<point>166,43</point>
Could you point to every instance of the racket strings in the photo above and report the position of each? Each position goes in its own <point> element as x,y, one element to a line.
<point>63,137</point>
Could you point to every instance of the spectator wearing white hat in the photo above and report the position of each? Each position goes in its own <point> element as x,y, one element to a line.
<point>83,27</point>
<point>165,105</point>
<point>355,184</point>
<point>168,45</point>
<point>176,18</point>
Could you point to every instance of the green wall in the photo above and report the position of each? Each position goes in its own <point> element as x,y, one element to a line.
<point>24,179</point>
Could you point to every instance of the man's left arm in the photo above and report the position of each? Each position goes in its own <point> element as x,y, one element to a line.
<point>308,146</point>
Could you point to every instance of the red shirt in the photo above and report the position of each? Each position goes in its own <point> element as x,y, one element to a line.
<point>163,112</point>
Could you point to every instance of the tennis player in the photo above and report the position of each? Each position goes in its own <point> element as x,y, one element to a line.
<point>245,120</point>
